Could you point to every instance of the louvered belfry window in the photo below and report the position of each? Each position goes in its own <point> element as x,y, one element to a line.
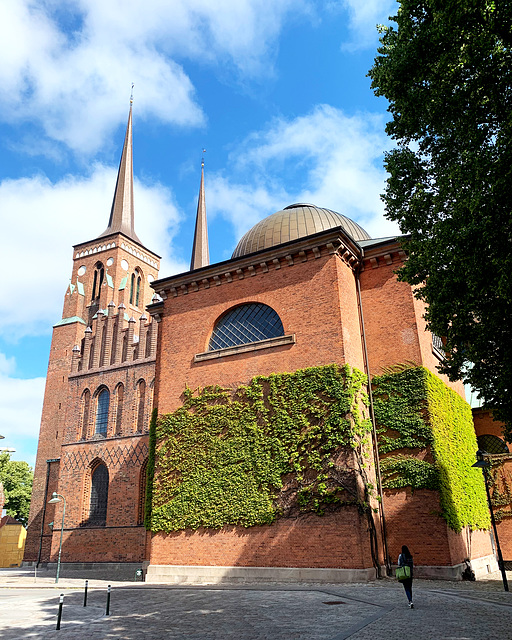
<point>99,496</point>
<point>245,324</point>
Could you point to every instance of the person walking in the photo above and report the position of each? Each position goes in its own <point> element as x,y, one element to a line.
<point>405,560</point>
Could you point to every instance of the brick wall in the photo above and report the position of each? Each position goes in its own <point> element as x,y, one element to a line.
<point>305,296</point>
<point>337,540</point>
<point>121,544</point>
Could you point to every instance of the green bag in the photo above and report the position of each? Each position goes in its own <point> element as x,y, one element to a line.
<point>402,573</point>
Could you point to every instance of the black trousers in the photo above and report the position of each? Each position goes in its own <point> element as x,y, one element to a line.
<point>408,588</point>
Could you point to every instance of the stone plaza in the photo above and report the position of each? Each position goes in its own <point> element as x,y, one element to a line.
<point>443,610</point>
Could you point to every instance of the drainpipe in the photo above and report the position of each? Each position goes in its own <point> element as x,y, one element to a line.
<point>372,417</point>
<point>48,462</point>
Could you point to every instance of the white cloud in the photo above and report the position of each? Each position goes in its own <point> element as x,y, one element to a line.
<point>41,221</point>
<point>67,63</point>
<point>325,158</point>
<point>363,19</point>
<point>20,411</point>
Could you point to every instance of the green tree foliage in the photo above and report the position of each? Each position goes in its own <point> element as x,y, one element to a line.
<point>446,69</point>
<point>16,478</point>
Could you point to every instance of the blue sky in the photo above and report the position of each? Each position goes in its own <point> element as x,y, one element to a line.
<point>275,90</point>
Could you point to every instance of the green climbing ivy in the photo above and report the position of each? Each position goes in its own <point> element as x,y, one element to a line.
<point>432,428</point>
<point>402,471</point>
<point>276,447</point>
<point>150,470</point>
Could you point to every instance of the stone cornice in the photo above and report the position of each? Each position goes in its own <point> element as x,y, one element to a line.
<point>330,242</point>
<point>107,242</point>
<point>383,254</point>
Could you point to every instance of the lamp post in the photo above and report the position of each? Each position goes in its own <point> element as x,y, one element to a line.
<point>484,465</point>
<point>56,497</point>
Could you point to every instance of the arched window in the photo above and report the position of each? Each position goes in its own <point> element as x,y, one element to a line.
<point>132,288</point>
<point>86,405</point>
<point>137,293</point>
<point>99,274</point>
<point>491,444</point>
<point>245,324</point>
<point>119,409</point>
<point>102,412</point>
<point>99,496</point>
<point>135,287</point>
<point>141,403</point>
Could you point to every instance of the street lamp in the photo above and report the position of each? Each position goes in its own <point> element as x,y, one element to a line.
<point>484,465</point>
<point>56,497</point>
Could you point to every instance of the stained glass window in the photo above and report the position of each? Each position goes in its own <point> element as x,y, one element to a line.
<point>245,324</point>
<point>102,412</point>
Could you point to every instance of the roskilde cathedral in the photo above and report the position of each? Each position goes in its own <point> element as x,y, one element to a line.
<point>305,289</point>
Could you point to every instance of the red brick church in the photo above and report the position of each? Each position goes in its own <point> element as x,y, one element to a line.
<point>307,301</point>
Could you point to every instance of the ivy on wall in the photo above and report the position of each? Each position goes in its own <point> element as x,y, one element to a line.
<point>284,444</point>
<point>432,428</point>
<point>150,470</point>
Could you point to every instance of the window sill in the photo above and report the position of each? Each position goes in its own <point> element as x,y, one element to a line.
<point>244,348</point>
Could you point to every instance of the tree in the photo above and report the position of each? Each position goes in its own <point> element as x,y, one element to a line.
<point>16,478</point>
<point>446,69</point>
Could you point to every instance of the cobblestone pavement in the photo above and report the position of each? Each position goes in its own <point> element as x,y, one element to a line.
<point>376,611</point>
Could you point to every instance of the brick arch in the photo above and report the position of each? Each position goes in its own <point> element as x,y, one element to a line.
<point>85,414</point>
<point>95,496</point>
<point>140,405</point>
<point>119,402</point>
<point>141,506</point>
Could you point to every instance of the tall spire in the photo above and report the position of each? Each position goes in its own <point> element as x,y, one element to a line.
<point>200,252</point>
<point>122,213</point>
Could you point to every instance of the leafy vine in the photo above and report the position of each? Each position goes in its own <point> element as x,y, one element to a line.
<point>282,445</point>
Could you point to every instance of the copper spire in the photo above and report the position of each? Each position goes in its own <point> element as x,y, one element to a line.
<point>200,253</point>
<point>121,214</point>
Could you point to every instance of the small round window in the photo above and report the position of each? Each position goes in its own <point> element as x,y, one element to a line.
<point>245,324</point>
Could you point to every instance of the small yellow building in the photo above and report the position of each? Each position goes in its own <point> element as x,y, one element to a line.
<point>12,542</point>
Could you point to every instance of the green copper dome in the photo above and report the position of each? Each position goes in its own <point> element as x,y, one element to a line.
<point>294,222</point>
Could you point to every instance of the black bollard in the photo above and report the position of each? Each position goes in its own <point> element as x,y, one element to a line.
<point>59,617</point>
<point>85,592</point>
<point>107,612</point>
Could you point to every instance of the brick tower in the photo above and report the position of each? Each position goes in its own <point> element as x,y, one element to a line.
<point>98,396</point>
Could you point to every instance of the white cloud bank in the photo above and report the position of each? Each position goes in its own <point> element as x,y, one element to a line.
<point>21,402</point>
<point>66,62</point>
<point>41,221</point>
<point>325,158</point>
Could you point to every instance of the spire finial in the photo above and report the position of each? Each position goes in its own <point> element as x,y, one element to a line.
<point>200,252</point>
<point>131,95</point>
<point>122,214</point>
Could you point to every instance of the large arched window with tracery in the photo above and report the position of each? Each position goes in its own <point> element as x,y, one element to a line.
<point>491,444</point>
<point>245,324</point>
<point>103,403</point>
<point>99,496</point>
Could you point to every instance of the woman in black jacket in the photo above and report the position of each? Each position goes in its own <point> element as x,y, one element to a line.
<point>405,560</point>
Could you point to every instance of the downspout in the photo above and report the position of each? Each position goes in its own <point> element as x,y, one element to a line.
<point>374,429</point>
<point>48,462</point>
